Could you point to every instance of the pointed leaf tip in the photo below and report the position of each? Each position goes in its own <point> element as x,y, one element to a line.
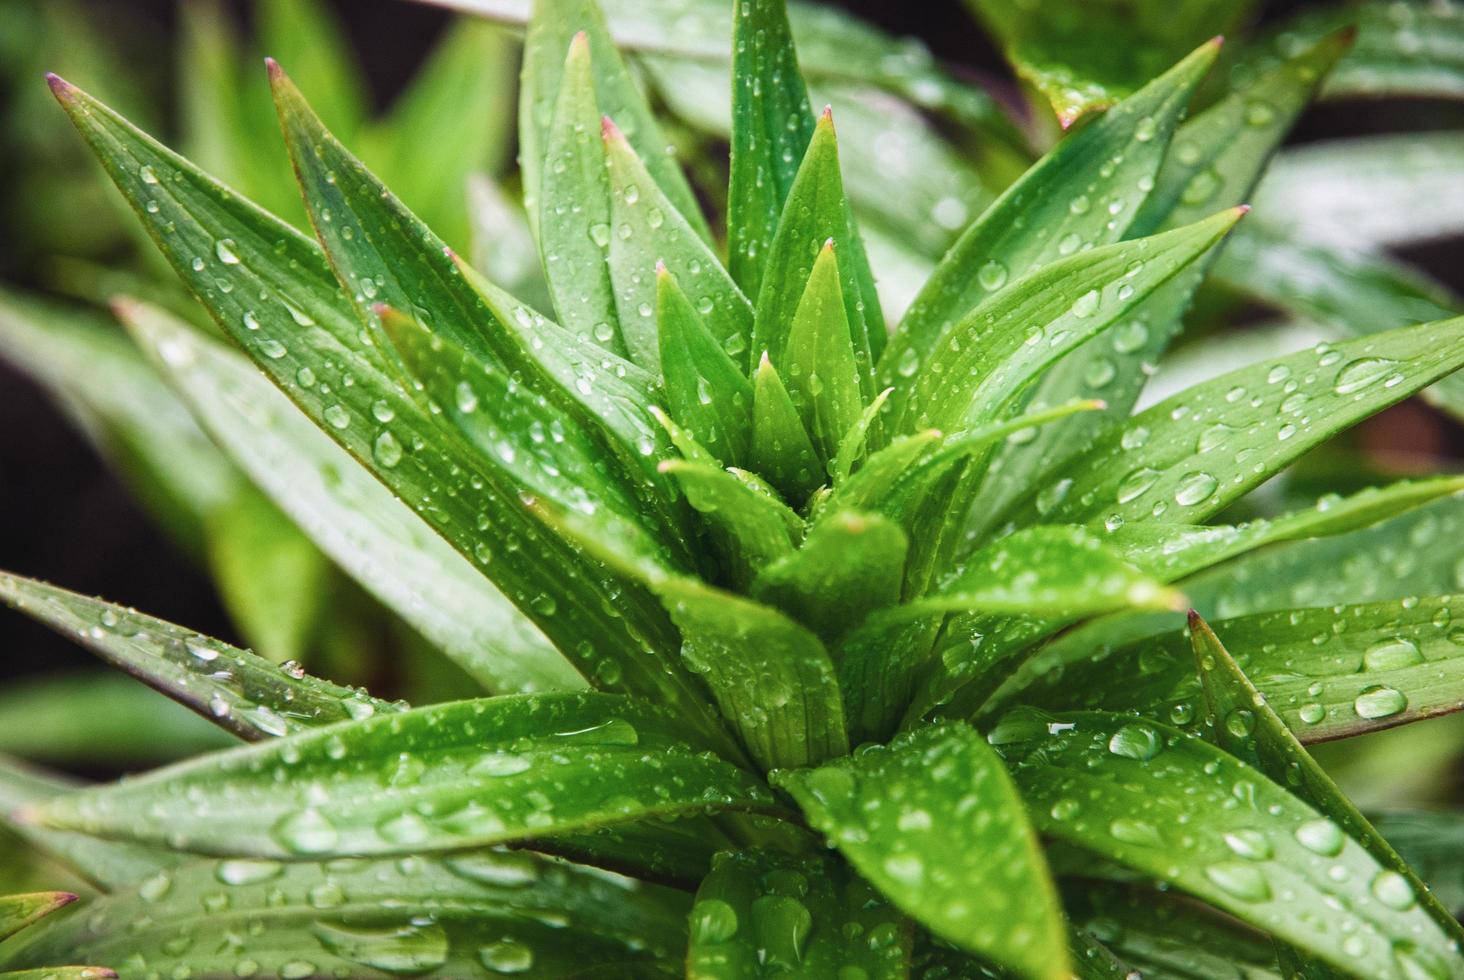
<point>60,87</point>
<point>608,129</point>
<point>661,269</point>
<point>276,73</point>
<point>1196,621</point>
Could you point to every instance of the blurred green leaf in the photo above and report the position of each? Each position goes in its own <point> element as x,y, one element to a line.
<point>980,883</point>
<point>19,911</point>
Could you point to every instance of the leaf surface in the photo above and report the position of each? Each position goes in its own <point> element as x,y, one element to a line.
<point>439,778</point>
<point>934,822</point>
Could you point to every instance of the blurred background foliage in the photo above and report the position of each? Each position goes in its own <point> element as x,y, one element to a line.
<point>109,487</point>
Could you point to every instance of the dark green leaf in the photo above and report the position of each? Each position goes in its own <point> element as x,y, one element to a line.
<point>706,390</point>
<point>438,778</point>
<point>816,212</point>
<point>934,822</point>
<point>1190,455</point>
<point>759,527</point>
<point>771,126</point>
<point>246,694</point>
<point>1431,842</point>
<point>851,564</point>
<point>766,914</point>
<point>377,539</point>
<point>996,248</point>
<point>448,917</point>
<point>1179,809</point>
<point>1245,725</point>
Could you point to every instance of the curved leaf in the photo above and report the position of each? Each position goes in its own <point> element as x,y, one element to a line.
<point>820,359</point>
<point>19,911</point>
<point>444,777</point>
<point>934,821</point>
<point>452,916</point>
<point>1181,810</point>
<point>766,914</point>
<point>706,390</point>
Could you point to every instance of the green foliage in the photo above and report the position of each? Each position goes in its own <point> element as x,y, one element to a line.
<point>816,643</point>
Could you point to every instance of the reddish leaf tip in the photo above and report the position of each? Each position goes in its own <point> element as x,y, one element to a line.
<point>1242,209</point>
<point>827,115</point>
<point>1218,40</point>
<point>828,245</point>
<point>60,87</point>
<point>275,71</point>
<point>661,268</point>
<point>608,129</point>
<point>765,363</point>
<point>1195,619</point>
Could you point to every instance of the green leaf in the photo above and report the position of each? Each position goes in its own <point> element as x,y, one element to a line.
<point>377,539</point>
<point>853,446</point>
<point>760,913</point>
<point>19,911</point>
<point>1430,842</point>
<point>455,775</point>
<point>879,663</point>
<point>705,389</point>
<point>781,448</point>
<point>572,217</point>
<point>1045,571</point>
<point>460,104</point>
<point>996,248</point>
<point>1190,455</point>
<point>649,231</point>
<point>1085,57</point>
<point>1214,161</point>
<point>815,212</point>
<point>820,359</point>
<point>61,973</point>
<point>1154,799</point>
<point>851,564</point>
<point>552,25</point>
<point>759,528</point>
<point>246,694</point>
<point>99,719</point>
<point>964,384</point>
<point>1348,293</point>
<point>771,677</point>
<point>272,579</point>
<point>979,883</point>
<point>453,916</point>
<point>772,123</point>
<point>1245,725</point>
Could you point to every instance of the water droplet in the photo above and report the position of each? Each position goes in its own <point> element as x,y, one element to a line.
<point>1379,702</point>
<point>306,832</point>
<point>1311,713</point>
<point>1086,305</point>
<point>1361,373</point>
<point>907,869</point>
<point>909,363</point>
<point>386,450</point>
<point>713,921</point>
<point>992,276</point>
<point>246,871</point>
<point>224,249</point>
<point>1392,654</point>
<point>1135,484</point>
<point>1393,890</point>
<point>501,764</point>
<point>405,950</point>
<point>1137,832</point>
<point>1320,837</point>
<point>1145,129</point>
<point>337,416</point>
<point>1136,742</point>
<point>600,234</point>
<point>1250,844</point>
<point>1243,881</point>
<point>1194,488</point>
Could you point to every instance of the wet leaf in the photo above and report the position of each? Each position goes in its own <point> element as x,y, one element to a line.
<point>452,916</point>
<point>781,448</point>
<point>1181,810</point>
<point>759,528</point>
<point>19,911</point>
<point>955,853</point>
<point>760,913</point>
<point>244,693</point>
<point>820,360</point>
<point>707,391</point>
<point>438,778</point>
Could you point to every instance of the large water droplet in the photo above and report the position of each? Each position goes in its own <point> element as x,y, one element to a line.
<point>1243,881</point>
<point>507,956</point>
<point>1379,702</point>
<point>405,950</point>
<point>306,832</point>
<point>713,921</point>
<point>1361,373</point>
<point>1320,837</point>
<point>1392,654</point>
<point>1136,742</point>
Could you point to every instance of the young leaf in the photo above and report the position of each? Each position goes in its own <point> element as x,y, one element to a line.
<point>307,34</point>
<point>1189,456</point>
<point>852,447</point>
<point>1244,724</point>
<point>573,213</point>
<point>550,27</point>
<point>1158,801</point>
<point>453,916</point>
<point>649,231</point>
<point>771,126</point>
<point>246,694</point>
<point>979,883</point>
<point>760,913</point>
<point>377,539</point>
<point>760,528</point>
<point>850,565</point>
<point>996,249</point>
<point>815,212</point>
<point>456,775</point>
<point>820,360</point>
<point>19,911</point>
<point>781,448</point>
<point>708,393</point>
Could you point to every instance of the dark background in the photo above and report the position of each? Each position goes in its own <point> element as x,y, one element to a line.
<point>65,518</point>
